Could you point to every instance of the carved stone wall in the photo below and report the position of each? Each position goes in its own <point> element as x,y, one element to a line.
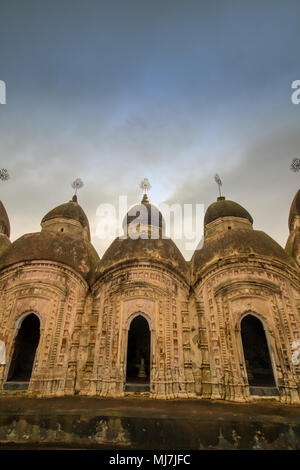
<point>160,297</point>
<point>224,297</point>
<point>196,347</point>
<point>56,295</point>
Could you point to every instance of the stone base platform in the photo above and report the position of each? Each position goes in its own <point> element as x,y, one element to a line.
<point>147,424</point>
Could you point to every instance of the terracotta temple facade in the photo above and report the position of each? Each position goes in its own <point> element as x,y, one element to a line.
<point>142,319</point>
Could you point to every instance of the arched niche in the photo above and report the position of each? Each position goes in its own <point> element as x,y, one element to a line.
<point>24,349</point>
<point>256,352</point>
<point>138,354</point>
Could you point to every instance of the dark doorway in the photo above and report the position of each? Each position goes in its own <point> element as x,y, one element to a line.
<point>25,346</point>
<point>256,352</point>
<point>138,352</point>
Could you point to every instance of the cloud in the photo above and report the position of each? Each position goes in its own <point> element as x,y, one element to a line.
<point>113,92</point>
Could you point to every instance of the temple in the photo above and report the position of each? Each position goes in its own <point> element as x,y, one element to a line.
<point>142,319</point>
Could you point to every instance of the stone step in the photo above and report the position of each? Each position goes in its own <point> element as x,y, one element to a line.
<point>140,395</point>
<point>13,393</point>
<point>16,386</point>
<point>264,391</point>
<point>137,388</point>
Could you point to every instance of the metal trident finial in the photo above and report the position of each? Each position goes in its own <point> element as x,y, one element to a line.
<point>219,182</point>
<point>4,175</point>
<point>145,185</point>
<point>77,184</point>
<point>295,165</point>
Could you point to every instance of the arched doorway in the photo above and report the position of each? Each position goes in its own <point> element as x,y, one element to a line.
<point>138,355</point>
<point>256,353</point>
<point>25,346</point>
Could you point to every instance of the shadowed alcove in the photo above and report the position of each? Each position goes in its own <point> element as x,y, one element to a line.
<point>25,346</point>
<point>256,352</point>
<point>138,351</point>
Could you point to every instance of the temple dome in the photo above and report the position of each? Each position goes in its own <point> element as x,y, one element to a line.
<point>144,214</point>
<point>295,209</point>
<point>5,243</point>
<point>75,252</point>
<point>127,250</point>
<point>70,210</point>
<point>148,245</point>
<point>4,221</point>
<point>64,238</point>
<point>234,243</point>
<point>225,208</point>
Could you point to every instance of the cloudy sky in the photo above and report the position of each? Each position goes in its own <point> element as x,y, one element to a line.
<point>113,91</point>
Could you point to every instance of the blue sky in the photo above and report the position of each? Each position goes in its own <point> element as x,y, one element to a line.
<point>115,91</point>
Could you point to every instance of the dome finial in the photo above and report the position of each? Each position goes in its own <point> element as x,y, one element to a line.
<point>77,184</point>
<point>145,199</point>
<point>219,183</point>
<point>4,175</point>
<point>145,187</point>
<point>295,165</point>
